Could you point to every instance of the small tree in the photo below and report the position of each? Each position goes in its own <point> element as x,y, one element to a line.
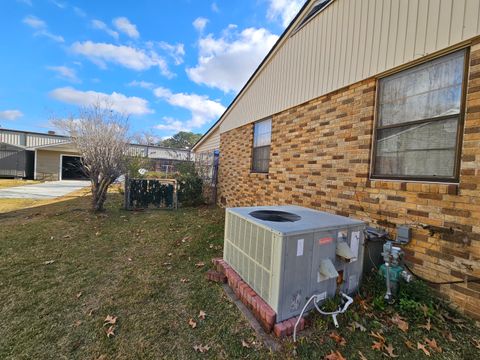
<point>100,135</point>
<point>181,140</point>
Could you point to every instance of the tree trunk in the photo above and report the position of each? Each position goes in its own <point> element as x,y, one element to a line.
<point>99,195</point>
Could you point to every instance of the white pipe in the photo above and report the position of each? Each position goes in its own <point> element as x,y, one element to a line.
<point>332,313</point>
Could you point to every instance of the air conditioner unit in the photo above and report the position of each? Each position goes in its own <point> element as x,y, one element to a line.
<point>288,253</point>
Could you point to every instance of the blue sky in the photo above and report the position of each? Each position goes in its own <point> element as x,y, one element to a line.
<point>171,65</point>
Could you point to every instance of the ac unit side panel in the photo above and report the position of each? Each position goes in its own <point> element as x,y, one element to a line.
<point>249,250</point>
<point>353,270</point>
<point>296,275</point>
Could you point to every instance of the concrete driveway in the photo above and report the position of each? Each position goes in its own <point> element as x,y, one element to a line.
<point>47,190</point>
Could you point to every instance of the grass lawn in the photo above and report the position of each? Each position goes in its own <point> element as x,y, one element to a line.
<point>16,182</point>
<point>64,269</point>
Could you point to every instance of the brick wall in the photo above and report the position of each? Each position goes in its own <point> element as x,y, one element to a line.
<point>320,158</point>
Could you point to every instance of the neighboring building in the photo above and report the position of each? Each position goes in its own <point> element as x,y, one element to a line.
<point>369,109</point>
<point>54,157</point>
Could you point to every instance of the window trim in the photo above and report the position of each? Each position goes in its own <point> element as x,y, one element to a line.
<point>460,125</point>
<point>253,147</point>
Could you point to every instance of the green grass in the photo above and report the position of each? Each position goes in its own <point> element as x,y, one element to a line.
<point>131,265</point>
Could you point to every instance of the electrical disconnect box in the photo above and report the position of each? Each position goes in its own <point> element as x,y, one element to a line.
<point>288,253</point>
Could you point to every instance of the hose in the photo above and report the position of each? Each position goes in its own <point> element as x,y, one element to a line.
<point>300,317</point>
<point>332,313</point>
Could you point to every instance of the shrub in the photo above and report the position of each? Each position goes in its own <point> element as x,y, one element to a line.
<point>190,185</point>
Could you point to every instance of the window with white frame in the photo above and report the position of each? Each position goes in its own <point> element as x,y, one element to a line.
<point>262,135</point>
<point>419,119</point>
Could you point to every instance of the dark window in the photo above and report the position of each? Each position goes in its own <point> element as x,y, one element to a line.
<point>419,121</point>
<point>262,134</point>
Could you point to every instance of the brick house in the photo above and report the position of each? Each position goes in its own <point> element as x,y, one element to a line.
<point>369,109</point>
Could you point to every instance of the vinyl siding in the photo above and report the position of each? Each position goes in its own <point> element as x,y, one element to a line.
<point>347,42</point>
<point>48,165</point>
<point>212,142</point>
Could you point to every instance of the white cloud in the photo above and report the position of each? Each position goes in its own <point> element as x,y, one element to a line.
<point>41,28</point>
<point>215,7</point>
<point>200,23</point>
<point>119,102</point>
<point>202,109</point>
<point>65,72</point>
<point>129,57</point>
<point>10,114</point>
<point>228,61</point>
<point>284,10</point>
<point>176,52</point>
<point>34,22</point>
<point>59,4</point>
<point>80,12</point>
<point>142,84</point>
<point>125,26</point>
<point>26,2</point>
<point>100,25</point>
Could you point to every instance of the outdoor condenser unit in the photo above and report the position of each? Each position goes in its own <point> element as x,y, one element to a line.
<point>288,253</point>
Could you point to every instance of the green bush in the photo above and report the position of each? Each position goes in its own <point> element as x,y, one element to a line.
<point>190,185</point>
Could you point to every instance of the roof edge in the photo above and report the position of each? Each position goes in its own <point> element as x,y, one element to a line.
<point>257,70</point>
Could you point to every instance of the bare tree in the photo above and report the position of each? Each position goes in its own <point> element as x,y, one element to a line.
<point>100,135</point>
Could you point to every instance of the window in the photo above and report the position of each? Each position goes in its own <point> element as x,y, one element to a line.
<point>262,135</point>
<point>419,121</point>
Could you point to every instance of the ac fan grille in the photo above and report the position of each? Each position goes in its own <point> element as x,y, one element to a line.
<point>248,249</point>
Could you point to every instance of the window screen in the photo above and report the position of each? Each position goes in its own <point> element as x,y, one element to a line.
<point>418,120</point>
<point>262,134</point>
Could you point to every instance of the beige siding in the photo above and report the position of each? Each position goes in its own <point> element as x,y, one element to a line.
<point>347,42</point>
<point>48,164</point>
<point>212,142</point>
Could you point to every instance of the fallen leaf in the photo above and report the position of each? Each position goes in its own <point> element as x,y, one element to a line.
<point>245,344</point>
<point>338,339</point>
<point>334,356</point>
<point>357,325</point>
<point>427,326</point>
<point>425,309</point>
<point>423,348</point>
<point>170,254</point>
<point>410,345</point>
<point>450,337</point>
<point>202,315</point>
<point>49,262</point>
<point>66,236</point>
<point>200,264</point>
<point>78,323</point>
<point>183,280</point>
<point>110,331</point>
<point>433,345</point>
<point>389,349</point>
<point>400,322</point>
<point>476,343</point>
<point>79,295</point>
<point>378,336</point>
<point>377,345</point>
<point>98,233</point>
<point>186,238</point>
<point>451,318</point>
<point>201,348</point>
<point>362,357</point>
<point>192,323</point>
<point>110,320</point>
